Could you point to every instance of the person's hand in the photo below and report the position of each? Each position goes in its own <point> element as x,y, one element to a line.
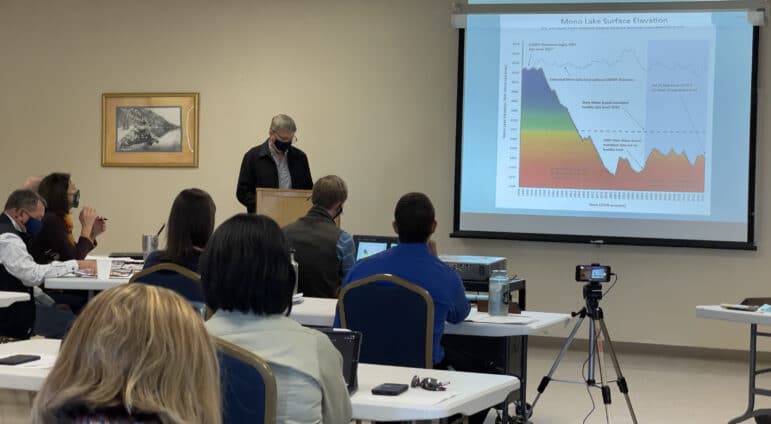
<point>432,248</point>
<point>87,217</point>
<point>100,226</point>
<point>87,266</point>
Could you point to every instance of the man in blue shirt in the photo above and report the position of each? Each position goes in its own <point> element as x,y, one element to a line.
<point>414,259</point>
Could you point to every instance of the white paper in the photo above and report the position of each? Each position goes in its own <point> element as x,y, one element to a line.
<point>484,317</point>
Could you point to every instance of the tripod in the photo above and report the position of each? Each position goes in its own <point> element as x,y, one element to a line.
<point>592,294</point>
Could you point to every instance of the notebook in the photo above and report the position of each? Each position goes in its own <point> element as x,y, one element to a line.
<point>349,344</point>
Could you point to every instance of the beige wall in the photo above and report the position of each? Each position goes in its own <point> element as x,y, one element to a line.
<point>372,86</point>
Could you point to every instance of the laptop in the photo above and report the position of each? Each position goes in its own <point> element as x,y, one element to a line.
<point>370,245</point>
<point>349,344</point>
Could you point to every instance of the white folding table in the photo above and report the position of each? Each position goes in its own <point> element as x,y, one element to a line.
<point>90,284</point>
<point>26,376</point>
<point>321,313</point>
<point>9,298</point>
<point>753,319</point>
<point>466,392</point>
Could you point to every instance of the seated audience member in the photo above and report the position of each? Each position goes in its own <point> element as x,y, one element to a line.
<point>55,240</point>
<point>323,251</point>
<point>414,259</point>
<point>248,280</point>
<point>136,354</point>
<point>20,273</point>
<point>190,224</point>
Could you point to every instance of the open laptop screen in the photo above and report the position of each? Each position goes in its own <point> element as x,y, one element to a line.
<point>370,245</point>
<point>369,248</point>
<point>349,344</point>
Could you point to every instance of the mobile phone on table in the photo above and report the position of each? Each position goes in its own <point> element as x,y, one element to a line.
<point>18,359</point>
<point>740,307</point>
<point>389,389</point>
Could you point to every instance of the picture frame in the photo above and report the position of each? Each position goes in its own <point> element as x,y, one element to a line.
<point>150,129</point>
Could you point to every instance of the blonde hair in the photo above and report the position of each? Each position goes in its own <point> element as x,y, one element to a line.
<point>140,347</point>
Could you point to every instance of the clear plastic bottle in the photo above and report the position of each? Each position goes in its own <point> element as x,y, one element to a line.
<point>497,304</point>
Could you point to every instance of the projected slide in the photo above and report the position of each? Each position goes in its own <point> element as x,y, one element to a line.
<point>608,127</point>
<point>616,111</point>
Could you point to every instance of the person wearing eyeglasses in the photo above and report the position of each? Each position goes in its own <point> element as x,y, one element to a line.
<point>276,163</point>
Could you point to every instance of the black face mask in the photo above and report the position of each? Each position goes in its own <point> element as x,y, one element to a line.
<point>339,212</point>
<point>76,199</point>
<point>282,146</point>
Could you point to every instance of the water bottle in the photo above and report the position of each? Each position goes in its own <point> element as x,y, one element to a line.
<point>497,305</point>
<point>296,267</point>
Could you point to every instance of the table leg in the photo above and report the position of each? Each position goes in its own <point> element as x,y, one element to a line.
<point>751,393</point>
<point>521,417</point>
<point>525,414</point>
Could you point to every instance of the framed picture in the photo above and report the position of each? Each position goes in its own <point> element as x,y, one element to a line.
<point>150,129</point>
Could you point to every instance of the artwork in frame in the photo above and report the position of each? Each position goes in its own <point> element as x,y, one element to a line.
<point>150,129</point>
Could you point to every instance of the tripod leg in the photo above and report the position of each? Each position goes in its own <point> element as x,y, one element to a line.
<point>602,365</point>
<point>622,386</point>
<point>545,381</point>
<point>592,352</point>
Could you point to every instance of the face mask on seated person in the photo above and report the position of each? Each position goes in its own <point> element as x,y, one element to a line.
<point>76,199</point>
<point>33,226</point>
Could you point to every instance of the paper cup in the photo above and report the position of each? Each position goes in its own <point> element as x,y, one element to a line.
<point>103,267</point>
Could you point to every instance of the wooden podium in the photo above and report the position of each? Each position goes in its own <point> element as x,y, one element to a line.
<point>285,206</point>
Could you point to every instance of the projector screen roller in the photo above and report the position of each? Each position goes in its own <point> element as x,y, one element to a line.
<point>632,128</point>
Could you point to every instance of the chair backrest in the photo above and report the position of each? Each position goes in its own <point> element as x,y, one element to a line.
<point>248,386</point>
<point>395,316</point>
<point>174,277</point>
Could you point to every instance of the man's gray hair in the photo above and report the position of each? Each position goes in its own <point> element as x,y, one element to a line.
<point>23,199</point>
<point>282,122</point>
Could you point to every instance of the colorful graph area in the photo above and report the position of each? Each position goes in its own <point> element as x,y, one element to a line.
<point>553,154</point>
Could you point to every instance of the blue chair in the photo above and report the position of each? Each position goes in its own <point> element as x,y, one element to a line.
<point>248,386</point>
<point>174,277</point>
<point>395,316</point>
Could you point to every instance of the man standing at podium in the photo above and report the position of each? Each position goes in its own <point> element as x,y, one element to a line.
<point>276,163</point>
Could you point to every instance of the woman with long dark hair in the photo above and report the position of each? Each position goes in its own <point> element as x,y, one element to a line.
<point>248,281</point>
<point>190,224</point>
<point>56,240</point>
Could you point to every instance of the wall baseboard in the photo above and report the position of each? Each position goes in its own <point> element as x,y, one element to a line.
<point>582,345</point>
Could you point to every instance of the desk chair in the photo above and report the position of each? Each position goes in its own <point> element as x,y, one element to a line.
<point>174,277</point>
<point>396,318</point>
<point>248,386</point>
